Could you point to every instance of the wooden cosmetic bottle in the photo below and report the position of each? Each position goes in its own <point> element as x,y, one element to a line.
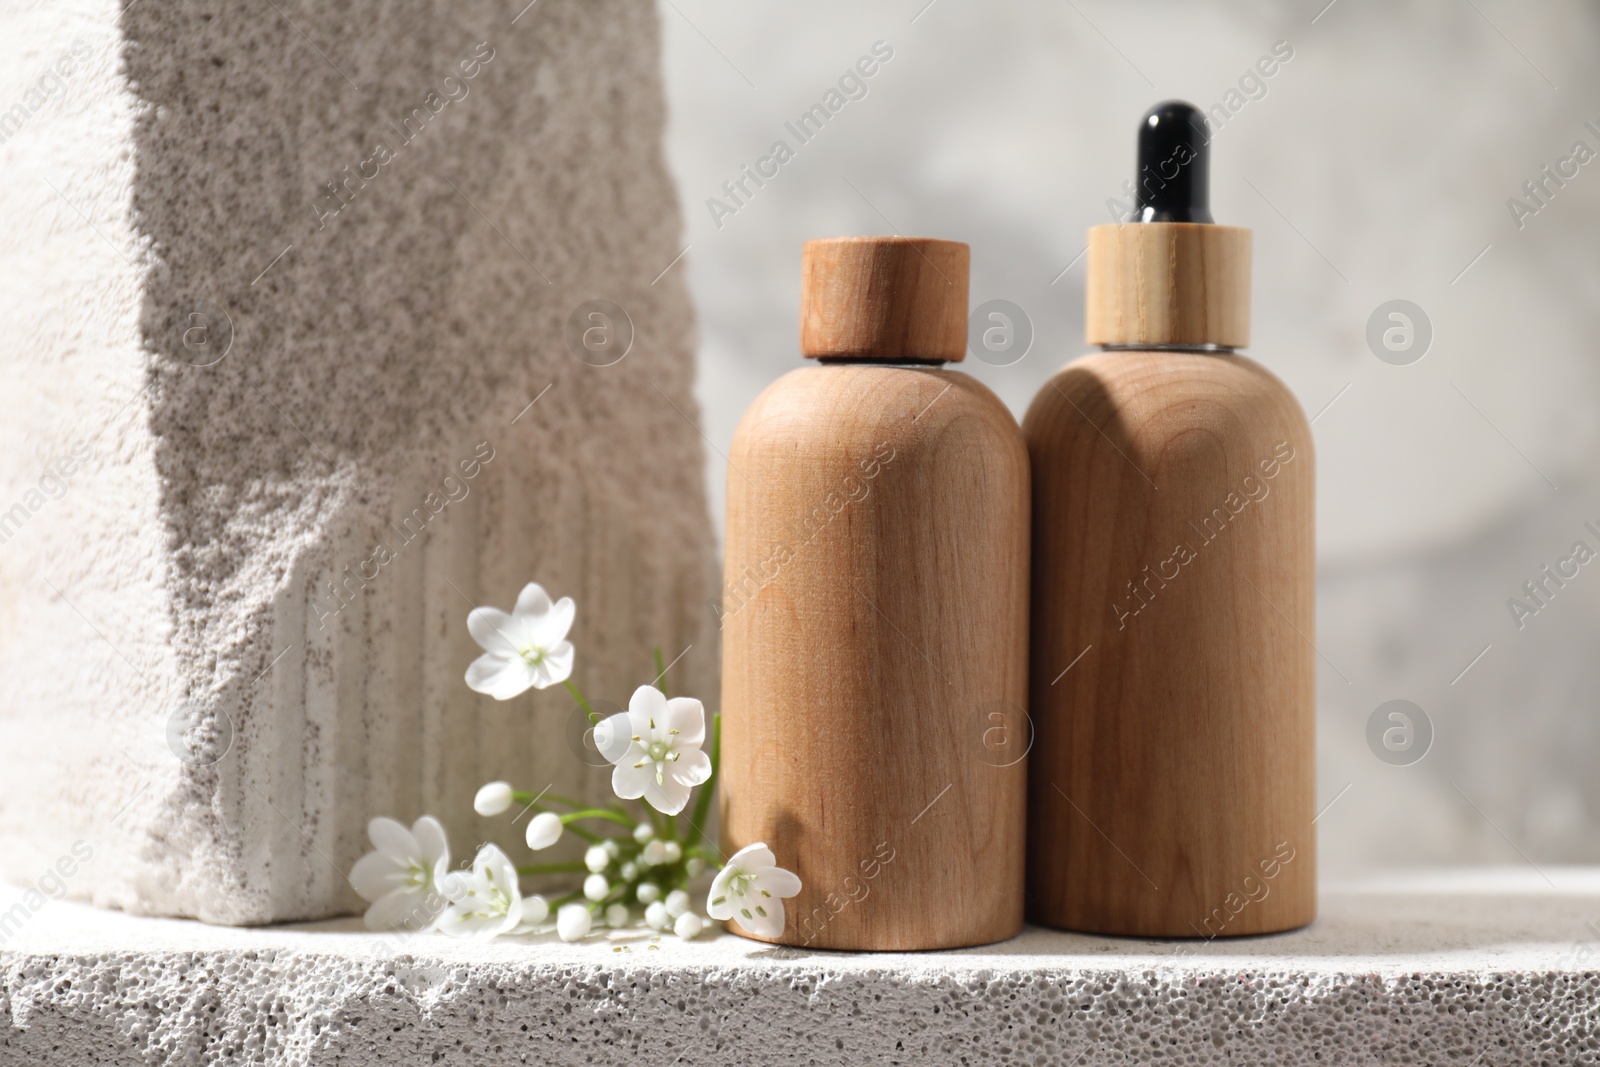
<point>1171,787</point>
<point>874,618</point>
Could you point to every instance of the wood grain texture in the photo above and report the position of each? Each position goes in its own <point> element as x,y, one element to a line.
<point>1168,283</point>
<point>875,654</point>
<point>1172,781</point>
<point>884,298</point>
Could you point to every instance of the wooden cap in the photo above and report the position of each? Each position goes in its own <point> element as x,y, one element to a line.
<point>884,298</point>
<point>1168,283</point>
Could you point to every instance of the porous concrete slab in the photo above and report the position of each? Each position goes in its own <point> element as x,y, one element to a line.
<point>1490,968</point>
<point>288,388</point>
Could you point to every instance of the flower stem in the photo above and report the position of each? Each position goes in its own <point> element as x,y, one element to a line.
<point>702,803</point>
<point>583,702</point>
<point>595,813</point>
<point>661,672</point>
<point>552,868</point>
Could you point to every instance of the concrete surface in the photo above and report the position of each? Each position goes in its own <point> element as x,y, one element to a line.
<point>212,680</point>
<point>1493,967</point>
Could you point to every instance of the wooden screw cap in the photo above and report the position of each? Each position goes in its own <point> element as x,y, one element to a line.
<point>1168,283</point>
<point>901,299</point>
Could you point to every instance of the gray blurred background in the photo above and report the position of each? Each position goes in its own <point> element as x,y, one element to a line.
<point>1377,162</point>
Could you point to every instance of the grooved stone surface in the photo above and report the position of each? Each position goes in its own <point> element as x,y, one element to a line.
<point>233,596</point>
<point>1491,968</point>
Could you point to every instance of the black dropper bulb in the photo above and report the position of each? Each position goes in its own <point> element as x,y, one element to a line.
<point>1173,183</point>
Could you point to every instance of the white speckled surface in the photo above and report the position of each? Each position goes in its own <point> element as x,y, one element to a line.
<point>1487,967</point>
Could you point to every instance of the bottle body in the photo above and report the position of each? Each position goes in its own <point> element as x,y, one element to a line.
<point>1173,671</point>
<point>874,630</point>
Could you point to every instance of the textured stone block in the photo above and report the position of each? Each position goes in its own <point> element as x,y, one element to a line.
<point>1494,968</point>
<point>283,287</point>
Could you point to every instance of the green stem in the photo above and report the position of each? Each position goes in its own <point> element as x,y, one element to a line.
<point>551,868</point>
<point>702,803</point>
<point>583,702</point>
<point>661,671</point>
<point>595,813</point>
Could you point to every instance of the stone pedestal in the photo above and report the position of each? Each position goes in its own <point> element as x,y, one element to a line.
<point>1495,967</point>
<point>299,365</point>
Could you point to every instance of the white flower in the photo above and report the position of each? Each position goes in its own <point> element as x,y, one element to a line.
<point>527,648</point>
<point>672,852</point>
<point>654,854</point>
<point>657,917</point>
<point>597,858</point>
<point>628,871</point>
<point>655,745</point>
<point>677,903</point>
<point>617,915</point>
<point>492,799</point>
<point>688,926</point>
<point>401,879</point>
<point>486,902</point>
<point>695,866</point>
<point>595,887</point>
<point>573,922</point>
<point>612,848</point>
<point>750,890</point>
<point>544,830</point>
<point>643,832</point>
<point>648,892</point>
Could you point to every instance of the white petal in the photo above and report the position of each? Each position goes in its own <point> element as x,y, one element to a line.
<point>692,767</point>
<point>532,602</point>
<point>613,737</point>
<point>430,838</point>
<point>494,631</point>
<point>647,705</point>
<point>629,782</point>
<point>375,875</point>
<point>669,798</point>
<point>750,858</point>
<point>777,881</point>
<point>403,909</point>
<point>555,667</point>
<point>498,866</point>
<point>718,904</point>
<point>768,925</point>
<point>394,841</point>
<point>498,677</point>
<point>687,716</point>
<point>552,627</point>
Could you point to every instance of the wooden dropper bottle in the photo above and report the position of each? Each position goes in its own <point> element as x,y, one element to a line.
<point>1173,679</point>
<point>874,615</point>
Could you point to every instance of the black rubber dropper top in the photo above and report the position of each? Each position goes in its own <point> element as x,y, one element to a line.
<point>1173,183</point>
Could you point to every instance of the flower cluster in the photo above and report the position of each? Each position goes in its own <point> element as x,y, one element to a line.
<point>638,865</point>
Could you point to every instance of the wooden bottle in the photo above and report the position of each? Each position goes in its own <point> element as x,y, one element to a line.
<point>874,618</point>
<point>1173,678</point>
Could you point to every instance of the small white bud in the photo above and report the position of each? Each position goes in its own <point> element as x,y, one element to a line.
<point>595,887</point>
<point>674,851</point>
<point>648,892</point>
<point>688,926</point>
<point>544,830</point>
<point>655,854</point>
<point>696,866</point>
<point>617,915</point>
<point>535,909</point>
<point>629,869</point>
<point>596,859</point>
<point>573,922</point>
<point>657,918</point>
<point>643,832</point>
<point>677,903</point>
<point>612,848</point>
<point>492,799</point>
